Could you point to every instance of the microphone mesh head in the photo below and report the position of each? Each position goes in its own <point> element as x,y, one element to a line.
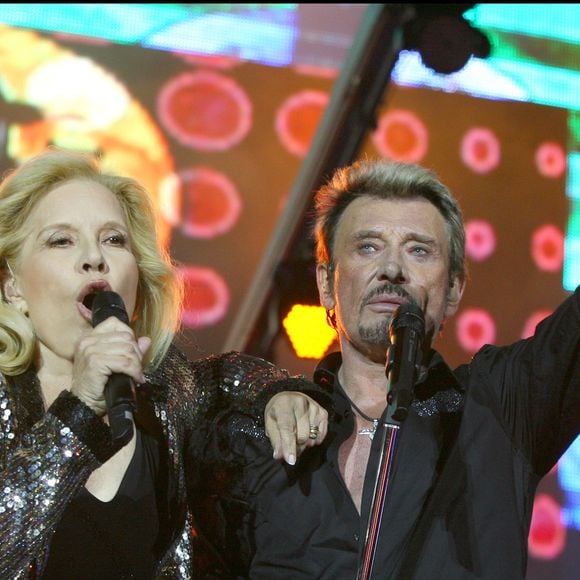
<point>408,315</point>
<point>107,304</point>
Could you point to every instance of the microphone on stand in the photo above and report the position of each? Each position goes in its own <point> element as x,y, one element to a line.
<point>407,333</point>
<point>118,390</point>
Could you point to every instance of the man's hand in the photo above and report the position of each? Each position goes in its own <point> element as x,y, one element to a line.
<point>294,422</point>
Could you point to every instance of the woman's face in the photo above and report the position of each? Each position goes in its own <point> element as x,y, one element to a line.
<point>76,240</point>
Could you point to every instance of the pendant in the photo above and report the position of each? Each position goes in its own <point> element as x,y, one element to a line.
<point>370,431</point>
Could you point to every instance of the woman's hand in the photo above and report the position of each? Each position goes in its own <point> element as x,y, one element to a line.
<point>108,348</point>
<point>294,422</point>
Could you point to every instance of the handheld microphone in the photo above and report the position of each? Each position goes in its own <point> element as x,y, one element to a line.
<point>407,332</point>
<point>118,390</point>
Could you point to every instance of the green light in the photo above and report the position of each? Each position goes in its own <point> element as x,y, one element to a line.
<point>571,274</point>
<point>556,87</point>
<point>125,23</point>
<point>573,181</point>
<point>555,21</point>
<point>574,127</point>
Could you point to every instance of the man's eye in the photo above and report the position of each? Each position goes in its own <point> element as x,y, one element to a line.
<point>367,248</point>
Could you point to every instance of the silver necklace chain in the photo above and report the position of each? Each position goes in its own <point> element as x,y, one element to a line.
<point>369,431</point>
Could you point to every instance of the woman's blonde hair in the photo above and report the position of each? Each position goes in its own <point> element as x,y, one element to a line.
<point>159,291</point>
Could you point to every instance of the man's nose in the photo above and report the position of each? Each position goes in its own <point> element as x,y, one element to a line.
<point>392,269</point>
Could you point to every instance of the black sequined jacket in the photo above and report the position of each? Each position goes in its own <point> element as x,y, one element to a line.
<point>46,456</point>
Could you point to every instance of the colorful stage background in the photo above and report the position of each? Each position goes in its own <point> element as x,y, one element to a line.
<point>213,108</point>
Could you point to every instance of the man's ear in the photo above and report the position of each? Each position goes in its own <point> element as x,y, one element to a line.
<point>13,295</point>
<point>454,295</point>
<point>325,285</point>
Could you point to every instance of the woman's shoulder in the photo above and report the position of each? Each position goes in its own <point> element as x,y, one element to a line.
<point>237,365</point>
<point>242,361</point>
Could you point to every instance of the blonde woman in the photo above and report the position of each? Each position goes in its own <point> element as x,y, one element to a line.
<point>74,503</point>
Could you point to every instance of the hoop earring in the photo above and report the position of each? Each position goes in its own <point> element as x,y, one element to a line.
<point>10,280</point>
<point>331,318</point>
<point>9,268</point>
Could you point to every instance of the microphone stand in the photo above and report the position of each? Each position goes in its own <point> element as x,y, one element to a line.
<point>399,398</point>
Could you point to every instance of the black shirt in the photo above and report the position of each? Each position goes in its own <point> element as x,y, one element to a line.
<point>113,540</point>
<point>470,454</point>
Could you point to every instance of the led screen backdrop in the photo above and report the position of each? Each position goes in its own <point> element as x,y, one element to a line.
<point>213,108</point>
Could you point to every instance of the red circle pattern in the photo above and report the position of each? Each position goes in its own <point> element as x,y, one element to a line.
<point>211,203</point>
<point>205,110</point>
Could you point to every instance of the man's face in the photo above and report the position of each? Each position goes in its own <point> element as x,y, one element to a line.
<point>387,252</point>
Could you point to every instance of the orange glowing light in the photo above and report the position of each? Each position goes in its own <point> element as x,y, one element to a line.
<point>308,331</point>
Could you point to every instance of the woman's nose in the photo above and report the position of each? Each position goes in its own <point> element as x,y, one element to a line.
<point>94,260</point>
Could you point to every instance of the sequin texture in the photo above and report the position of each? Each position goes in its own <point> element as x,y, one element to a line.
<point>46,456</point>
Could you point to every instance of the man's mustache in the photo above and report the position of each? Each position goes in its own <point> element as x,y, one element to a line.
<point>389,289</point>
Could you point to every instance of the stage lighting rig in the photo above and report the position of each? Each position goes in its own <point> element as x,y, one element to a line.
<point>443,37</point>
